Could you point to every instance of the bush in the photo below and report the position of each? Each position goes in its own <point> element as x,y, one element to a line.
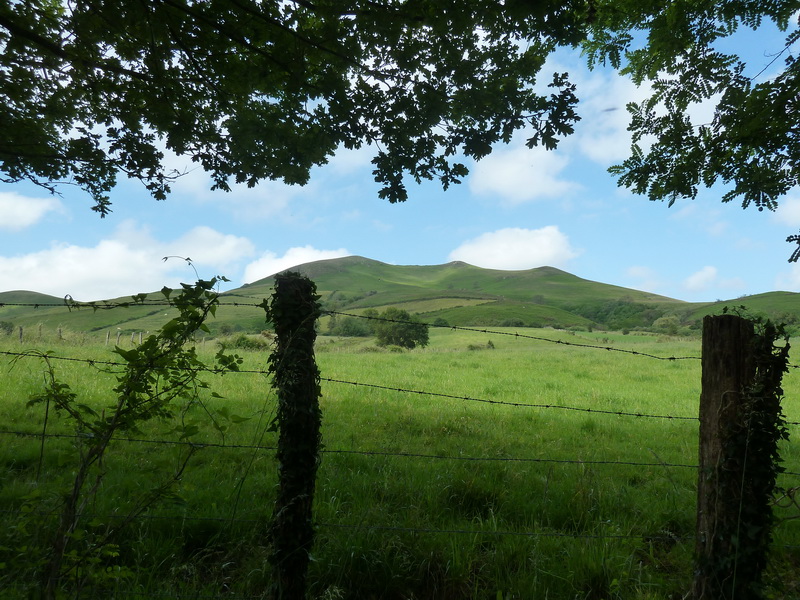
<point>512,323</point>
<point>6,327</point>
<point>489,346</point>
<point>350,327</point>
<point>400,329</point>
<point>244,342</point>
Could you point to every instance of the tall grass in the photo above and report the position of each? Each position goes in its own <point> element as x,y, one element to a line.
<point>514,478</point>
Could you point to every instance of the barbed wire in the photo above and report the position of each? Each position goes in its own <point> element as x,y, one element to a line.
<point>412,530</point>
<point>112,305</point>
<point>398,390</point>
<point>109,305</point>
<point>515,335</point>
<point>93,362</point>
<point>666,535</point>
<point>188,443</point>
<point>102,305</point>
<point>386,454</point>
<point>382,453</point>
<point>506,403</point>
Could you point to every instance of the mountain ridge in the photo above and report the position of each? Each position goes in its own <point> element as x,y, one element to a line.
<point>456,293</point>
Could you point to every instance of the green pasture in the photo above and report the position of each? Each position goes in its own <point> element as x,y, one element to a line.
<point>486,465</point>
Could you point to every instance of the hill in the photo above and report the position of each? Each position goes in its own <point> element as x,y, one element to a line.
<point>455,293</point>
<point>466,295</point>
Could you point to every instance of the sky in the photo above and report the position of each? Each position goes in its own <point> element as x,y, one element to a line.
<point>518,209</point>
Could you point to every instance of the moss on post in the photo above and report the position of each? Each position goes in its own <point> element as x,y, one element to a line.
<point>294,311</point>
<point>741,423</point>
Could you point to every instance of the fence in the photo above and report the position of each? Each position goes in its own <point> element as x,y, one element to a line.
<point>664,538</point>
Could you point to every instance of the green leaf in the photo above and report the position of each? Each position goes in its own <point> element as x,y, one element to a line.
<point>188,431</point>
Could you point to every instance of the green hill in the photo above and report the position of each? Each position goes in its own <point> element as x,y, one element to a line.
<point>456,293</point>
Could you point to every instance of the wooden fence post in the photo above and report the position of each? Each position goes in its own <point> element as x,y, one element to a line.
<point>740,425</point>
<point>20,334</point>
<point>294,311</point>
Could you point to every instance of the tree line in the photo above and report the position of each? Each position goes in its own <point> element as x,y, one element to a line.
<point>391,327</point>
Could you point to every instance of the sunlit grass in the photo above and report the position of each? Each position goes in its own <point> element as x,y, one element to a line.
<point>501,478</point>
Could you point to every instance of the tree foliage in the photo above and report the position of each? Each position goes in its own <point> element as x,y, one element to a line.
<point>395,327</point>
<point>253,90</point>
<point>349,327</point>
<point>751,143</point>
<point>266,90</point>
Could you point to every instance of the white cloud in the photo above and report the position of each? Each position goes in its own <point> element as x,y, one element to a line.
<point>790,280</point>
<point>19,212</point>
<point>517,249</point>
<point>349,162</point>
<point>521,175</point>
<point>702,280</point>
<point>644,278</point>
<point>788,211</point>
<point>108,270</point>
<point>130,262</point>
<point>602,134</point>
<point>211,248</point>
<point>270,263</point>
<point>270,198</point>
<point>265,200</point>
<point>708,278</point>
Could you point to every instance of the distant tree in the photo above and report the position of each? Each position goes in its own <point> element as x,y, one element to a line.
<point>440,322</point>
<point>370,314</point>
<point>669,325</point>
<point>398,328</point>
<point>350,327</point>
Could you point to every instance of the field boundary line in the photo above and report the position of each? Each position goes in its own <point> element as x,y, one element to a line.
<point>519,335</point>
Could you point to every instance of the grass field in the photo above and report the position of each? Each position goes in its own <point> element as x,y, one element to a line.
<point>511,476</point>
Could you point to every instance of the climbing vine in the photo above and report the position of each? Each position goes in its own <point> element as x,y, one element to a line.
<point>293,311</point>
<point>158,379</point>
<point>751,447</point>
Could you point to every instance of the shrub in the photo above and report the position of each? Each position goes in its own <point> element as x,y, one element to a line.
<point>244,342</point>
<point>350,327</point>
<point>400,329</point>
<point>489,346</point>
<point>6,327</point>
<point>512,323</point>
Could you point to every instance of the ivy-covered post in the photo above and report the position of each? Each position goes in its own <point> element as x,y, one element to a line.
<point>741,424</point>
<point>294,311</point>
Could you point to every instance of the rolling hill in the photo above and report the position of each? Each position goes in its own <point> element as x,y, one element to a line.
<point>455,293</point>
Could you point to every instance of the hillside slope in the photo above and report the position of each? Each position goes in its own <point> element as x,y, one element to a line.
<point>456,293</point>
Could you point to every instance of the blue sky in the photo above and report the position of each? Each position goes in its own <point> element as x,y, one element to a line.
<point>518,209</point>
